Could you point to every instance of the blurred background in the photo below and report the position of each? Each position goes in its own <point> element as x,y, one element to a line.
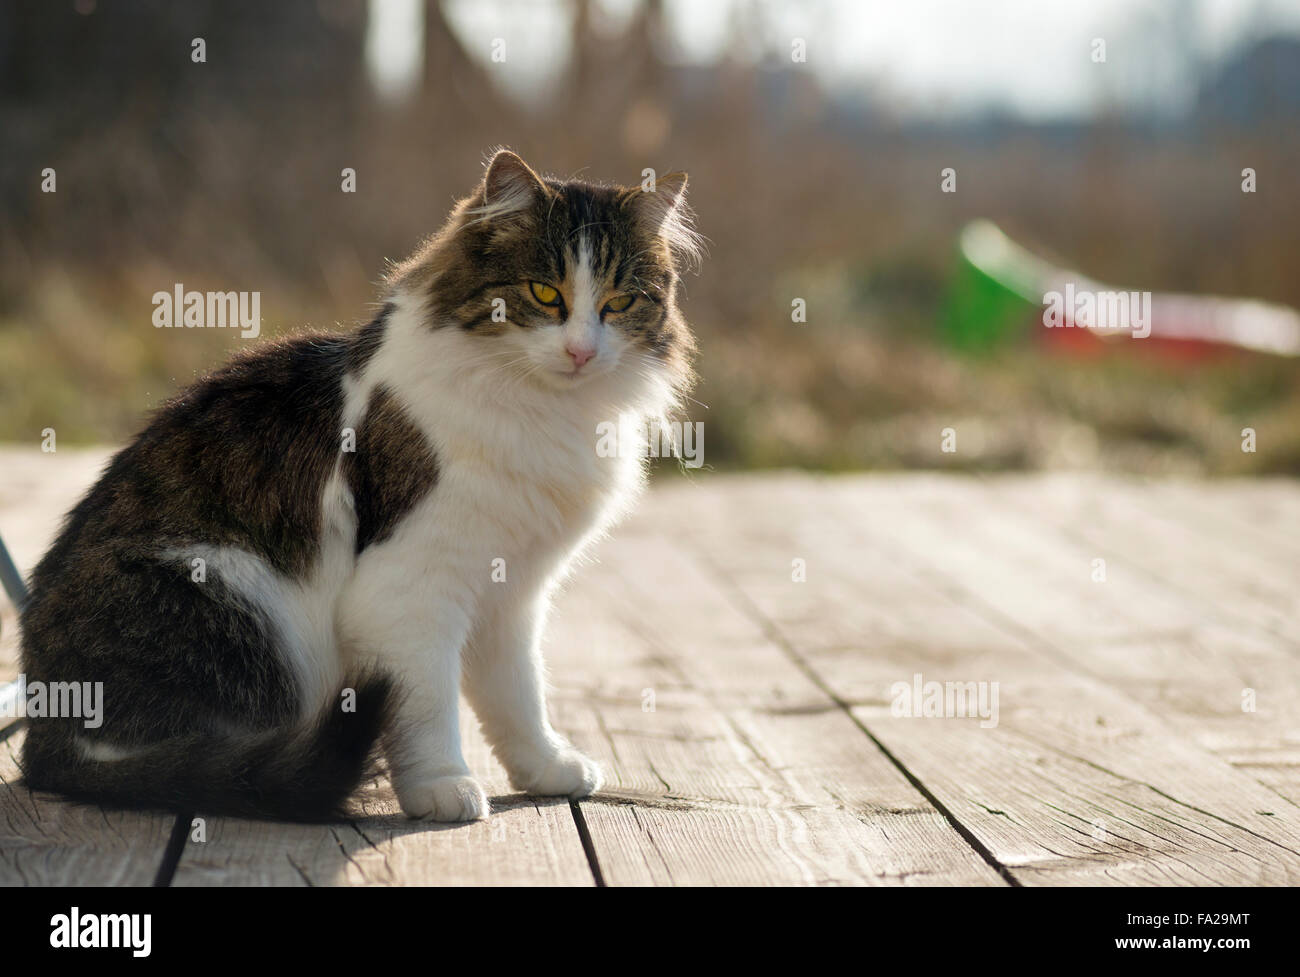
<point>820,179</point>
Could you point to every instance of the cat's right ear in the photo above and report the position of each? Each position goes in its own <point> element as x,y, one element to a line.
<point>509,189</point>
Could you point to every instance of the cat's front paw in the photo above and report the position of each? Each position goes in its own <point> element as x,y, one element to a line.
<point>564,773</point>
<point>454,798</point>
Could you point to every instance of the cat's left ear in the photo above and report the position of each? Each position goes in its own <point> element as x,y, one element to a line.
<point>658,199</point>
<point>509,188</point>
<point>660,207</point>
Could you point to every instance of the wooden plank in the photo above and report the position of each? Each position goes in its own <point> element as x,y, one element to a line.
<point>1182,658</point>
<point>11,699</point>
<point>1260,515</point>
<point>1113,699</point>
<point>527,841</point>
<point>45,841</point>
<point>1222,678</point>
<point>727,765</point>
<point>1184,555</point>
<point>889,595</point>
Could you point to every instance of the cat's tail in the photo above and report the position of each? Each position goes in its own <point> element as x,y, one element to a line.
<point>304,773</point>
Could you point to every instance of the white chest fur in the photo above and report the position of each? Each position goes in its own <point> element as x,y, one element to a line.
<point>521,483</point>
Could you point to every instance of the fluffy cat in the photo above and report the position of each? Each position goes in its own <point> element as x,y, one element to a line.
<point>266,607</point>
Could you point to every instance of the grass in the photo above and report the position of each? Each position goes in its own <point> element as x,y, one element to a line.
<point>865,383</point>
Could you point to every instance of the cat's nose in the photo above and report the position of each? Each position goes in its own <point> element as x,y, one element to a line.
<point>579,354</point>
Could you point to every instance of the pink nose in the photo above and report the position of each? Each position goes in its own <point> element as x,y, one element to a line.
<point>580,355</point>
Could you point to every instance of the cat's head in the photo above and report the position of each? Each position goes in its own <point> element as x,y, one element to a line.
<point>563,283</point>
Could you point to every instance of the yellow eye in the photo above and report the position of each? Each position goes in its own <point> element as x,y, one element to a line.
<point>619,303</point>
<point>544,293</point>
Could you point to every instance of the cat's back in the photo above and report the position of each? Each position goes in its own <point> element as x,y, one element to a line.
<point>238,457</point>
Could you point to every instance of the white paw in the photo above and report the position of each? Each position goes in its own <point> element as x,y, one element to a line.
<point>566,772</point>
<point>455,798</point>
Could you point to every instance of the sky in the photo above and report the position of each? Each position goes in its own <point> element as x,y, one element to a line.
<point>1032,58</point>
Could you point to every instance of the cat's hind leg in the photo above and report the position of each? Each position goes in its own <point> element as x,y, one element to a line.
<point>200,710</point>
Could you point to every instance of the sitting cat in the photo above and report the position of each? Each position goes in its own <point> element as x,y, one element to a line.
<point>313,550</point>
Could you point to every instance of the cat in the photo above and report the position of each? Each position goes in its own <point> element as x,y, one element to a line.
<point>307,555</point>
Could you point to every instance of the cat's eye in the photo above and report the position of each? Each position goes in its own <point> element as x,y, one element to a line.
<point>619,303</point>
<point>545,293</point>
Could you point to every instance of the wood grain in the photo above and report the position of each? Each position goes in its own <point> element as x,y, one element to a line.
<point>46,841</point>
<point>739,770</point>
<point>1076,783</point>
<point>525,842</point>
<point>747,722</point>
<point>1196,653</point>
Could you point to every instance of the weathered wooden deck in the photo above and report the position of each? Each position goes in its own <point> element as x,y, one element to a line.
<point>745,722</point>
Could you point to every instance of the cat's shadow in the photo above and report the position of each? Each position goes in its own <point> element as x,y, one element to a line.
<point>381,810</point>
<point>384,846</point>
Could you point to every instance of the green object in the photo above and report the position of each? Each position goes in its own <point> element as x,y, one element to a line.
<point>996,292</point>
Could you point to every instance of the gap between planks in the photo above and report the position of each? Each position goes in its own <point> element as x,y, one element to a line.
<point>770,781</point>
<point>1174,840</point>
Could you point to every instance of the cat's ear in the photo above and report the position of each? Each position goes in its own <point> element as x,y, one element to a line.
<point>658,200</point>
<point>660,208</point>
<point>509,189</point>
